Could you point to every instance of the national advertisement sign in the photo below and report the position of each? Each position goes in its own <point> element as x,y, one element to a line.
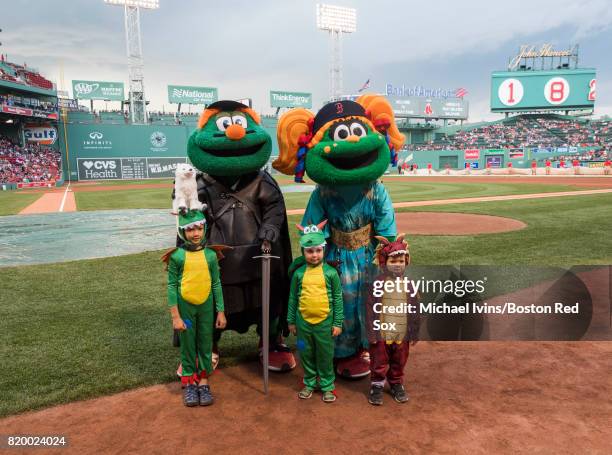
<point>98,90</point>
<point>290,99</point>
<point>186,94</point>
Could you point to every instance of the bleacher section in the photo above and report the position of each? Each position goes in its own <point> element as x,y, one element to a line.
<point>20,74</point>
<point>522,131</point>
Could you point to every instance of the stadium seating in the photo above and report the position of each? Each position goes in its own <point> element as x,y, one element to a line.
<point>29,163</point>
<point>522,131</point>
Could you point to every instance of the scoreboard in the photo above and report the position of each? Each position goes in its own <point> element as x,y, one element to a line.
<point>564,89</point>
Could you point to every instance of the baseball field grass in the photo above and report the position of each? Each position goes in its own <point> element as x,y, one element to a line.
<point>149,198</point>
<point>399,191</point>
<point>12,202</point>
<point>88,328</point>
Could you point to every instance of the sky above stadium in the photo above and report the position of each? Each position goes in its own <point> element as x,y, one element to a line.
<point>247,48</point>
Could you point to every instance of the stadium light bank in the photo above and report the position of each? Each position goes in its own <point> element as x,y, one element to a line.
<point>336,20</point>
<point>138,104</point>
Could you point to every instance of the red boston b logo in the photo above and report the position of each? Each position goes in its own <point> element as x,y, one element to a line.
<point>339,108</point>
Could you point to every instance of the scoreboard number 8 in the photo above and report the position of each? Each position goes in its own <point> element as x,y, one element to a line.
<point>510,92</point>
<point>556,90</point>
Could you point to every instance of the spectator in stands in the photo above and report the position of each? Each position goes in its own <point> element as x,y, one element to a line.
<point>526,131</point>
<point>29,163</point>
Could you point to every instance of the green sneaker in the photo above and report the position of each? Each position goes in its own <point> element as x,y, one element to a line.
<point>305,393</point>
<point>329,397</point>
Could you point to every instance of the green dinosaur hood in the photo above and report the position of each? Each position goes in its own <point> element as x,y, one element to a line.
<point>229,141</point>
<point>187,220</point>
<point>312,235</point>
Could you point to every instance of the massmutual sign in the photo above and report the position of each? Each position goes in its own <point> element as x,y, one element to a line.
<point>192,95</point>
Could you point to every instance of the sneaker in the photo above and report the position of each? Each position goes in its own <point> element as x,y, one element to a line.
<point>305,393</point>
<point>280,357</point>
<point>190,396</point>
<point>353,367</point>
<point>206,398</point>
<point>376,395</point>
<point>399,393</point>
<point>329,396</point>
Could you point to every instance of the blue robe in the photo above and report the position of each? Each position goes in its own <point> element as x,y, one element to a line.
<point>348,208</point>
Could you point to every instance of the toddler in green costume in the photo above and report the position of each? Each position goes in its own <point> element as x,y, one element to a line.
<point>315,312</point>
<point>194,293</point>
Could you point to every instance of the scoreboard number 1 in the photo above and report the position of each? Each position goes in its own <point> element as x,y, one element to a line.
<point>510,92</point>
<point>556,90</point>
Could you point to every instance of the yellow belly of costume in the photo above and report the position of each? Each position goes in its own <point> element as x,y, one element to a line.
<point>195,282</point>
<point>314,302</point>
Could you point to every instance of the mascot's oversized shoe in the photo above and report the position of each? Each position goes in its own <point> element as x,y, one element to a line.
<point>354,367</point>
<point>280,358</point>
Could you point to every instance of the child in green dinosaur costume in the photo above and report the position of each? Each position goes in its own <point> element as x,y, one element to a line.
<point>315,313</point>
<point>345,148</point>
<point>194,293</point>
<point>246,211</point>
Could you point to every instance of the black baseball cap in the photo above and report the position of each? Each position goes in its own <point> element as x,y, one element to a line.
<point>227,105</point>
<point>336,110</point>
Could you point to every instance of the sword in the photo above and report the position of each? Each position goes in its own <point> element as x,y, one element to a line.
<point>265,312</point>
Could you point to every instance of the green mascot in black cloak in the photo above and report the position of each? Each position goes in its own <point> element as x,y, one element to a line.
<point>246,211</point>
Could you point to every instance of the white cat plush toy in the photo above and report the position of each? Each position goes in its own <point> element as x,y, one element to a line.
<point>185,190</point>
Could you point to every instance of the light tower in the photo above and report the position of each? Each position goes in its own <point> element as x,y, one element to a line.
<point>138,106</point>
<point>336,20</point>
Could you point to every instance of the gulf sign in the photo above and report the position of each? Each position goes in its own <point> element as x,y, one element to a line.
<point>41,134</point>
<point>472,154</point>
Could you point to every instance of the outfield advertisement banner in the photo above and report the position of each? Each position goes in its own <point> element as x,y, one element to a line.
<point>472,154</point>
<point>98,90</point>
<point>135,168</point>
<point>91,140</point>
<point>417,107</point>
<point>290,99</point>
<point>44,134</point>
<point>186,94</point>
